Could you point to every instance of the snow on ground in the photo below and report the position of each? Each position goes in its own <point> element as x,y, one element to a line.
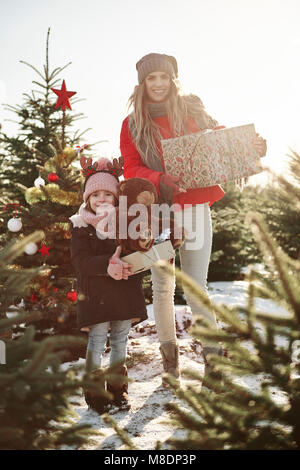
<point>146,421</point>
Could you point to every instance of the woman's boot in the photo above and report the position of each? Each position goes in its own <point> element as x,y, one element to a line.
<point>119,391</point>
<point>170,356</point>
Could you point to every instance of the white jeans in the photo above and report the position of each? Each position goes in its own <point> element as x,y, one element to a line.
<point>194,259</point>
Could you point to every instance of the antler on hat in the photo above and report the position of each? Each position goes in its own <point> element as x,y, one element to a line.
<point>87,167</point>
<point>101,175</point>
<point>117,166</point>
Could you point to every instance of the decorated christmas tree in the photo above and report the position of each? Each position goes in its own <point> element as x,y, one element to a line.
<point>37,393</point>
<point>39,121</point>
<point>41,189</point>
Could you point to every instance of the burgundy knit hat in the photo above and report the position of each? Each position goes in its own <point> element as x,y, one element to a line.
<point>102,180</point>
<point>152,62</point>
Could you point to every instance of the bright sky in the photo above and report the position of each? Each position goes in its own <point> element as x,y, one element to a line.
<point>240,56</point>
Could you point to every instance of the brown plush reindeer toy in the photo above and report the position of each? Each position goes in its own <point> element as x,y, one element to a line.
<point>133,222</point>
<point>141,195</point>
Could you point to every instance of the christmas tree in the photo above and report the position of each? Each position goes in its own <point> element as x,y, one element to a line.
<point>233,246</point>
<point>37,393</point>
<point>43,152</point>
<point>278,204</point>
<point>38,121</point>
<point>261,346</point>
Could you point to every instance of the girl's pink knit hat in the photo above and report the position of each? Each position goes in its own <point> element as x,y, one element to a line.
<point>102,180</point>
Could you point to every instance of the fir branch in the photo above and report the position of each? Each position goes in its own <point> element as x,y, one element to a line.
<point>15,249</point>
<point>267,243</point>
<point>123,435</point>
<point>46,67</point>
<point>6,323</point>
<point>31,66</point>
<point>58,70</point>
<point>38,360</point>
<point>53,84</point>
<point>76,435</point>
<point>40,84</point>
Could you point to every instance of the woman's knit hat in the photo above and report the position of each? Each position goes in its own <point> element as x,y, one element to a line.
<point>152,62</point>
<point>102,180</point>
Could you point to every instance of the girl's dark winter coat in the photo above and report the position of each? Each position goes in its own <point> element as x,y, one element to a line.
<point>100,297</point>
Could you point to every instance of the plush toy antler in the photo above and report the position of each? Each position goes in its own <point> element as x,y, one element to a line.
<point>88,167</point>
<point>103,164</point>
<point>116,167</point>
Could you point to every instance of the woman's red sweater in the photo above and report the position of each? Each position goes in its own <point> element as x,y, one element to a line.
<point>134,166</point>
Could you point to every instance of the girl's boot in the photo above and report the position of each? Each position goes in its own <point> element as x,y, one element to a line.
<point>94,400</point>
<point>119,391</point>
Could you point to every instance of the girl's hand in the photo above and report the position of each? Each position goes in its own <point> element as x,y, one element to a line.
<point>260,145</point>
<point>115,259</point>
<point>115,271</point>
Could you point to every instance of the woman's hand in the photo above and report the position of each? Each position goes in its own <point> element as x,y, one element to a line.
<point>260,145</point>
<point>117,267</point>
<point>170,180</point>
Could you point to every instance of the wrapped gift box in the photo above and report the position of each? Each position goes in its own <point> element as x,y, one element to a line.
<point>211,157</point>
<point>141,261</point>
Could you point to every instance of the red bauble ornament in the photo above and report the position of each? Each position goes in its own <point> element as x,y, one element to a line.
<point>72,296</point>
<point>33,299</point>
<point>63,97</point>
<point>52,177</point>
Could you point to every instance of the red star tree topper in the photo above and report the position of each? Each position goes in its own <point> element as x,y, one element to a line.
<point>63,97</point>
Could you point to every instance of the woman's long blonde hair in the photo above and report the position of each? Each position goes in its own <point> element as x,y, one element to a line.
<point>178,107</point>
<point>147,129</point>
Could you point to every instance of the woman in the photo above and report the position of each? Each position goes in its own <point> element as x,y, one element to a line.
<point>161,111</point>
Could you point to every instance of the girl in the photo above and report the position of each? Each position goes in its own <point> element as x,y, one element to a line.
<point>161,111</point>
<point>108,296</point>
